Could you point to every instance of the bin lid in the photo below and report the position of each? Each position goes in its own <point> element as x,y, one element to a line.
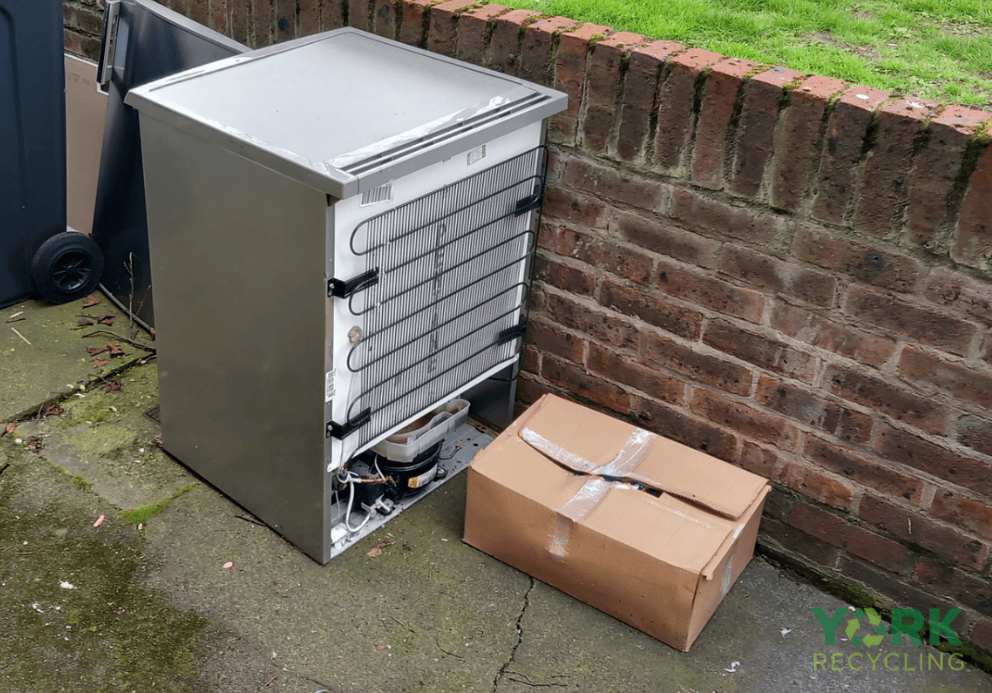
<point>344,111</point>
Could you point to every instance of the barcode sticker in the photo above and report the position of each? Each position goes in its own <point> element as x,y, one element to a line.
<point>384,193</point>
<point>329,386</point>
<point>477,154</point>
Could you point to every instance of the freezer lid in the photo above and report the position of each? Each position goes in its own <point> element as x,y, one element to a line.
<point>345,111</point>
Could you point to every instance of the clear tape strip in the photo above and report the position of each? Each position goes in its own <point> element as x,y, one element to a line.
<point>584,500</point>
<point>593,490</point>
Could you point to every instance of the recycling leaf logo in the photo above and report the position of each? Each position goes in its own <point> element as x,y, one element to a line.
<point>867,640</point>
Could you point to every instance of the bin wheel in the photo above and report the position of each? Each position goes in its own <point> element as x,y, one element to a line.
<point>67,266</point>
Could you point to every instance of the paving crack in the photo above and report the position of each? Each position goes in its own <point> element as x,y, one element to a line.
<point>520,636</point>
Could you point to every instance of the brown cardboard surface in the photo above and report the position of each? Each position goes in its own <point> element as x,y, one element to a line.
<point>657,562</point>
<point>85,111</point>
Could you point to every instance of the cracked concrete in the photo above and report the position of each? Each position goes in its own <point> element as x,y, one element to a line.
<point>154,608</point>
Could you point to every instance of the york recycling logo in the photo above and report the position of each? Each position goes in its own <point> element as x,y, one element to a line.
<point>868,616</point>
<point>864,635</point>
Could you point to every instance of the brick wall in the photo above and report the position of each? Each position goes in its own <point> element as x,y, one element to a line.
<point>789,272</point>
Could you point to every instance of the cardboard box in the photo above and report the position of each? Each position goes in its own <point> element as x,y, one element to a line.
<point>646,529</point>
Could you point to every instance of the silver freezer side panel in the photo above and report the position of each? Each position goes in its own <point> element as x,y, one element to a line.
<point>237,255</point>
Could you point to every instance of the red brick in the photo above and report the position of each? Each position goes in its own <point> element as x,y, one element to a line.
<point>568,205</point>
<point>412,22</point>
<point>89,21</point>
<point>530,361</point>
<point>696,365</point>
<point>549,338</point>
<point>987,348</point>
<point>892,589</point>
<point>241,23</point>
<point>846,131</point>
<point>570,77</point>
<point>504,42</point>
<point>956,291</point>
<point>975,433</point>
<point>655,235</point>
<point>576,380</point>
<point>197,11</point>
<point>957,379</point>
<point>723,85</point>
<point>710,292</point>
<point>877,395</point>
<point>759,460</point>
<point>606,255</point>
<point>761,350</point>
<point>472,28</point>
<point>798,141</point>
<point>262,24</point>
<point>911,450</point>
<point>813,409</point>
<point>675,106</point>
<point>537,47</point>
<point>638,101</point>
<point>917,322</point>
<point>972,515</point>
<point>619,186</point>
<point>737,416</point>
<point>813,483</point>
<point>756,128</point>
<point>857,541</point>
<point>947,581</point>
<point>285,26</point>
<point>909,525</point>
<point>973,239</point>
<point>832,336</point>
<point>840,460</point>
<point>603,87</point>
<point>883,186</point>
<point>651,308</point>
<point>529,389</point>
<point>219,22</point>
<point>442,35</point>
<point>359,14</point>
<point>981,634</point>
<point>679,425</point>
<point>714,216</point>
<point>779,537</point>
<point>935,169</point>
<point>780,277</point>
<point>866,263</point>
<point>612,364</point>
<point>553,272</point>
<point>593,321</point>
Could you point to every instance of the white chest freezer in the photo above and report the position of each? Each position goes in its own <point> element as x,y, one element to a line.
<point>340,231</point>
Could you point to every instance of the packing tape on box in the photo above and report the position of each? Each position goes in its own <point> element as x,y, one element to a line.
<point>593,491</point>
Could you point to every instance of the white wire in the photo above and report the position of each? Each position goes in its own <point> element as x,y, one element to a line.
<point>351,501</point>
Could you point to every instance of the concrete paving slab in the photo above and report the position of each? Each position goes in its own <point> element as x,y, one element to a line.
<point>44,354</point>
<point>151,606</point>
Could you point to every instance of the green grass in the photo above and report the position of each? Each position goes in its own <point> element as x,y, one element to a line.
<point>934,49</point>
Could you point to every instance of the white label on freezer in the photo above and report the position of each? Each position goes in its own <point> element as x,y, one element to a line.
<point>477,154</point>
<point>329,386</point>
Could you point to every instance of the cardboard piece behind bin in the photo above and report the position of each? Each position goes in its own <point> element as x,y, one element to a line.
<point>660,564</point>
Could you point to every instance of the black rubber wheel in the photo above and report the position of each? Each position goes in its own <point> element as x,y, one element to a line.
<point>67,266</point>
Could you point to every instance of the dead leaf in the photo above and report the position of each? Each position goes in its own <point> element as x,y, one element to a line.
<point>11,427</point>
<point>54,410</point>
<point>91,300</point>
<point>114,349</point>
<point>376,550</point>
<point>34,445</point>
<point>112,385</point>
<point>99,363</point>
<point>96,350</point>
<point>99,520</point>
<point>152,330</point>
<point>383,647</point>
<point>83,322</point>
<point>228,565</point>
<point>158,440</point>
<point>106,318</point>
